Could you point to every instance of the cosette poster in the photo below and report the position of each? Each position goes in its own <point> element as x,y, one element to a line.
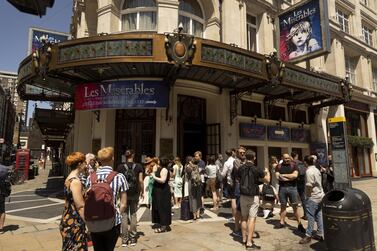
<point>302,31</point>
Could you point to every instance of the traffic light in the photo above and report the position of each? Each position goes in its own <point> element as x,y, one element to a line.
<point>34,7</point>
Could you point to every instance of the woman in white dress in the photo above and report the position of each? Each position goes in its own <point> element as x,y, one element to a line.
<point>177,174</point>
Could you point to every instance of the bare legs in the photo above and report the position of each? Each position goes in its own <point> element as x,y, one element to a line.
<point>2,220</point>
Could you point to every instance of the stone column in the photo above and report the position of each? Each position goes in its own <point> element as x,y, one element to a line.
<point>83,131</point>
<point>167,15</point>
<point>372,134</point>
<point>108,18</point>
<point>232,22</point>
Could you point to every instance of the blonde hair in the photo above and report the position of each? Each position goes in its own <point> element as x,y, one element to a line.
<point>106,154</point>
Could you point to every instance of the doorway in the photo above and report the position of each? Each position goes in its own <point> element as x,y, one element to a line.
<point>299,153</point>
<point>191,125</point>
<point>135,129</point>
<point>274,151</point>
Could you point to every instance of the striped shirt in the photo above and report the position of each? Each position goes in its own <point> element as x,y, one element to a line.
<point>118,185</point>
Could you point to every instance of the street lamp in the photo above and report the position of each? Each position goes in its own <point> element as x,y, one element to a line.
<point>20,121</point>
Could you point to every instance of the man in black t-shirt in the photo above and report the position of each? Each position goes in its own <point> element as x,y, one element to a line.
<point>287,174</point>
<point>135,191</point>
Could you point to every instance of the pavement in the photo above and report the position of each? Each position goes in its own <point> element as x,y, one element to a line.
<point>35,231</point>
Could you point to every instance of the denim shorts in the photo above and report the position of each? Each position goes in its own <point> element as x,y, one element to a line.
<point>288,192</point>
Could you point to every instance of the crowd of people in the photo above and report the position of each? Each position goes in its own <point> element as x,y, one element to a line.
<point>102,198</point>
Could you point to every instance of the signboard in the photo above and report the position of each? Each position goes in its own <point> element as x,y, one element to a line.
<point>300,135</point>
<point>36,35</point>
<point>303,31</point>
<point>122,95</point>
<point>278,133</point>
<point>339,152</point>
<point>320,150</point>
<point>252,131</point>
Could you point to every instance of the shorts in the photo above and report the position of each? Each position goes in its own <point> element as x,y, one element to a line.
<point>211,183</point>
<point>249,206</point>
<point>2,204</point>
<point>288,192</point>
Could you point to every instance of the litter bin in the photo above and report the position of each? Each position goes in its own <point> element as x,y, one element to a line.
<point>31,172</point>
<point>347,221</point>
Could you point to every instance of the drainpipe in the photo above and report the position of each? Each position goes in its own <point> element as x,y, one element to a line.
<point>221,20</point>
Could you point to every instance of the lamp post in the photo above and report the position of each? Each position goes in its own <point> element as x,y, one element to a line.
<point>20,122</point>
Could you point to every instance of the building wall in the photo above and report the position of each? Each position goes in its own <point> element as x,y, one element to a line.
<point>225,21</point>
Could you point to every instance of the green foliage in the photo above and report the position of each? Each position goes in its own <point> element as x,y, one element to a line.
<point>362,142</point>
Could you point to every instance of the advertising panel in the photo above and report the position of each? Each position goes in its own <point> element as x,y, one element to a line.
<point>300,135</point>
<point>278,133</point>
<point>303,31</point>
<point>36,35</point>
<point>122,95</point>
<point>252,131</point>
<point>320,149</point>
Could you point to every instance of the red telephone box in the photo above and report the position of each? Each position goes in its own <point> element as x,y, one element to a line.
<point>22,163</point>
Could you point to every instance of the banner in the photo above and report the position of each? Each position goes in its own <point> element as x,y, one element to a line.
<point>252,131</point>
<point>122,95</point>
<point>300,135</point>
<point>278,133</point>
<point>303,31</point>
<point>36,35</point>
<point>320,150</point>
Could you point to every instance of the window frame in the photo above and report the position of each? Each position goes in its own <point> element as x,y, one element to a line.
<point>350,69</point>
<point>367,34</point>
<point>252,26</point>
<point>137,11</point>
<point>193,17</point>
<point>343,20</point>
<point>374,78</point>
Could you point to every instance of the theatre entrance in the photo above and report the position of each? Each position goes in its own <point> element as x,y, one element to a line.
<point>191,126</point>
<point>135,129</point>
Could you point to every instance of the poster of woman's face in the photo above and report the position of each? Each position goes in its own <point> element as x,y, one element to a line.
<point>300,32</point>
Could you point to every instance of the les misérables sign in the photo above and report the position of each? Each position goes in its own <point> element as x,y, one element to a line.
<point>122,95</point>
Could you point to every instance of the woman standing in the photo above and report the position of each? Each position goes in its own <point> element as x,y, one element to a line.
<point>161,203</point>
<point>273,180</point>
<point>177,174</point>
<point>192,178</point>
<point>211,171</point>
<point>72,225</point>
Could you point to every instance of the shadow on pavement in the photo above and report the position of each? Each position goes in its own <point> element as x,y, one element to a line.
<point>54,184</point>
<point>318,246</point>
<point>10,228</point>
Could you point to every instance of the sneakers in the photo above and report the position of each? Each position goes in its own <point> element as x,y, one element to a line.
<point>317,237</point>
<point>125,242</point>
<point>231,220</point>
<point>132,241</point>
<point>305,240</point>
<point>301,228</point>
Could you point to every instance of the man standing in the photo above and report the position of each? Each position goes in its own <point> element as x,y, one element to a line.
<point>301,167</point>
<point>249,177</point>
<point>287,174</point>
<point>219,180</point>
<point>314,193</point>
<point>105,241</point>
<point>134,176</point>
<point>202,170</point>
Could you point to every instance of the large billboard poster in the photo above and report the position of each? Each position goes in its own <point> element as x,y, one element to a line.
<point>36,35</point>
<point>122,95</point>
<point>303,31</point>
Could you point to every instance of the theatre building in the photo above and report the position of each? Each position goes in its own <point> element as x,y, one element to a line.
<point>140,80</point>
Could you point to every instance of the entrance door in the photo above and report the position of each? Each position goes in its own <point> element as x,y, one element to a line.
<point>274,151</point>
<point>191,126</point>
<point>135,129</point>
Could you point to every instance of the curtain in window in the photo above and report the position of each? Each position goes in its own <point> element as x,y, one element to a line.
<point>185,22</point>
<point>147,21</point>
<point>191,6</point>
<point>129,22</point>
<point>138,3</point>
<point>197,29</point>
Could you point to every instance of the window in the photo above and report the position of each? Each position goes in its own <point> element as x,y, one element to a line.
<point>139,15</point>
<point>251,28</point>
<point>367,35</point>
<point>191,17</point>
<point>374,73</point>
<point>350,69</point>
<point>298,116</point>
<point>276,112</point>
<point>365,2</point>
<point>343,20</point>
<point>251,109</point>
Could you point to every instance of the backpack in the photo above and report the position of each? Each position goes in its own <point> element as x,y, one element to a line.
<point>5,186</point>
<point>249,180</point>
<point>129,173</point>
<point>99,207</point>
<point>268,193</point>
<point>195,176</point>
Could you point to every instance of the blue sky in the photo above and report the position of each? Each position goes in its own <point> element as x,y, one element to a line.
<point>14,32</point>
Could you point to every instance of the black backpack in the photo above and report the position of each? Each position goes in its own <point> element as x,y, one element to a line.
<point>268,193</point>
<point>301,170</point>
<point>249,180</point>
<point>132,180</point>
<point>5,186</point>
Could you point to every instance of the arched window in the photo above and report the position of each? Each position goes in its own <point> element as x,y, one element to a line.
<point>139,15</point>
<point>191,17</point>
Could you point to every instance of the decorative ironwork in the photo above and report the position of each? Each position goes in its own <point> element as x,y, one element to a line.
<point>275,69</point>
<point>112,48</point>
<point>180,48</point>
<point>307,80</point>
<point>231,58</point>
